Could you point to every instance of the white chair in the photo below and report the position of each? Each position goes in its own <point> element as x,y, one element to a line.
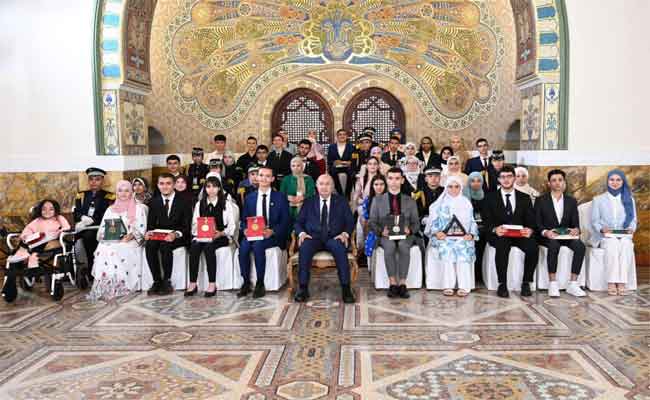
<point>380,274</point>
<point>596,273</point>
<point>179,270</point>
<point>435,271</point>
<point>516,260</point>
<point>563,275</point>
<point>275,275</point>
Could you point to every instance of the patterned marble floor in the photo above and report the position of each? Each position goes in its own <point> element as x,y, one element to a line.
<point>428,347</point>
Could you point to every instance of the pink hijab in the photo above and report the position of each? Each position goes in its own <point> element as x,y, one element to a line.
<point>121,206</point>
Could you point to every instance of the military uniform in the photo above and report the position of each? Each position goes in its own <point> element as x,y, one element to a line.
<point>196,174</point>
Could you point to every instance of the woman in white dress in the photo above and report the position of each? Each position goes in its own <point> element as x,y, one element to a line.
<point>456,254</point>
<point>614,213</point>
<point>521,183</point>
<point>118,264</point>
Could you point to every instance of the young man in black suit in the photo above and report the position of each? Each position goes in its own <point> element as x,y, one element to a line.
<point>508,206</point>
<point>480,162</point>
<point>166,211</point>
<point>311,169</point>
<point>393,155</point>
<point>280,160</point>
<point>558,210</point>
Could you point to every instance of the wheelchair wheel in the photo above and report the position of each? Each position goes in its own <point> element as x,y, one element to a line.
<point>57,294</point>
<point>10,291</point>
<point>27,284</point>
<point>82,280</point>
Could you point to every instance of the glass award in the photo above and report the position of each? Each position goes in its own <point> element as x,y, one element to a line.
<point>454,228</point>
<point>396,227</point>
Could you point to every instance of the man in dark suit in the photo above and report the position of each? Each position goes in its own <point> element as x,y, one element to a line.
<point>482,161</point>
<point>339,163</point>
<point>427,154</point>
<point>508,206</point>
<point>166,211</point>
<point>274,207</point>
<point>325,222</point>
<point>89,208</point>
<point>558,210</point>
<point>311,169</point>
<point>393,155</point>
<point>280,160</point>
<point>249,157</point>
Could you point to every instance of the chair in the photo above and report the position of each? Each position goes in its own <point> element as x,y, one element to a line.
<point>322,260</point>
<point>435,270</point>
<point>275,275</point>
<point>516,260</point>
<point>563,268</point>
<point>179,270</point>
<point>595,268</point>
<point>377,266</point>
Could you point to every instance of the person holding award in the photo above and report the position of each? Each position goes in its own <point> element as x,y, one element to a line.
<point>510,221</point>
<point>325,222</point>
<point>119,254</point>
<point>213,224</point>
<point>559,225</point>
<point>394,218</point>
<point>168,228</point>
<point>613,222</point>
<point>265,219</point>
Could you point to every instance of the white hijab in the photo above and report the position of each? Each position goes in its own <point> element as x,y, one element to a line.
<point>458,205</point>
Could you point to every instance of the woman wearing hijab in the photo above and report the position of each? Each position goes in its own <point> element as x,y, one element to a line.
<point>614,213</point>
<point>410,150</point>
<point>456,254</point>
<point>521,183</point>
<point>454,168</point>
<point>445,153</point>
<point>411,175</point>
<point>474,192</point>
<point>297,186</point>
<point>118,263</point>
<point>230,173</point>
<point>141,191</point>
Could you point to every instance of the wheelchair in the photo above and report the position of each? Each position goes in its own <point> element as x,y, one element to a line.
<point>55,267</point>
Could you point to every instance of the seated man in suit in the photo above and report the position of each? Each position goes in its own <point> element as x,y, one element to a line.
<point>397,253</point>
<point>274,207</point>
<point>279,160</point>
<point>166,211</point>
<point>325,222</point>
<point>482,161</point>
<point>393,155</point>
<point>558,210</point>
<point>508,206</point>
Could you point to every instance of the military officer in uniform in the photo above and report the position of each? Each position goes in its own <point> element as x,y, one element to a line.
<point>197,171</point>
<point>361,152</point>
<point>90,206</point>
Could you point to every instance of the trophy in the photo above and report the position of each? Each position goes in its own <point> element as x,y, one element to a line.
<point>396,228</point>
<point>454,229</point>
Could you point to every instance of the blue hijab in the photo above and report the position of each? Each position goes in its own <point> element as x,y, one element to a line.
<point>626,196</point>
<point>474,194</point>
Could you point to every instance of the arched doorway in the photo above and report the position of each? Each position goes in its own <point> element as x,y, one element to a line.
<point>300,111</point>
<point>376,108</point>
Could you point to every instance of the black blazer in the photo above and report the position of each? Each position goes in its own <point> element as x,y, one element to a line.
<point>388,160</point>
<point>434,160</point>
<point>474,164</point>
<point>281,165</point>
<point>494,211</point>
<point>545,213</point>
<point>311,169</point>
<point>179,219</point>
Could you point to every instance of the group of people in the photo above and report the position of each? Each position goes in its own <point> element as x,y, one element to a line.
<point>394,196</point>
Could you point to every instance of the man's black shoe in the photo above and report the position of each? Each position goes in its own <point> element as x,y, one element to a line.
<point>403,292</point>
<point>244,290</point>
<point>154,289</point>
<point>348,296</point>
<point>503,290</point>
<point>302,295</point>
<point>393,291</point>
<point>166,288</point>
<point>525,290</point>
<point>260,290</point>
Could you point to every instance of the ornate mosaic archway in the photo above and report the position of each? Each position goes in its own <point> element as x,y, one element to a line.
<point>223,54</point>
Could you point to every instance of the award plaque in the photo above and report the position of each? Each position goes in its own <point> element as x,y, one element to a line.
<point>205,229</point>
<point>114,229</point>
<point>454,229</point>
<point>396,228</point>
<point>255,228</point>
<point>619,234</point>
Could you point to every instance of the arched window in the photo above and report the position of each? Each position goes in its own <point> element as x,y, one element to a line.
<point>300,111</point>
<point>377,108</point>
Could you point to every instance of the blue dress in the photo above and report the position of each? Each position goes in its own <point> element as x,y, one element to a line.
<point>452,250</point>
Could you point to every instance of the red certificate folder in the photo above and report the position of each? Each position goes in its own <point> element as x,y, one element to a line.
<point>160,234</point>
<point>255,228</point>
<point>205,229</point>
<point>513,231</point>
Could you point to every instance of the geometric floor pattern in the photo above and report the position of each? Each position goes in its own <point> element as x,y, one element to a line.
<point>428,347</point>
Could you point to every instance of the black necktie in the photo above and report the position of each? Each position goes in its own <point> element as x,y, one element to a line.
<point>167,207</point>
<point>508,205</point>
<point>484,163</point>
<point>394,158</point>
<point>323,221</point>
<point>266,218</point>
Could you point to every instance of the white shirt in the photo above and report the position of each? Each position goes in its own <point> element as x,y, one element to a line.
<point>341,149</point>
<point>558,206</point>
<point>617,205</point>
<point>513,199</point>
<point>426,157</point>
<point>260,196</point>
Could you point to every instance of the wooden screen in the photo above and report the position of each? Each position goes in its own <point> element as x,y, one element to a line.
<point>301,110</point>
<point>376,108</point>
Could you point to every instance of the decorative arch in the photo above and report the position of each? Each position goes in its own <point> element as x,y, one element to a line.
<point>301,110</point>
<point>377,108</point>
<point>121,68</point>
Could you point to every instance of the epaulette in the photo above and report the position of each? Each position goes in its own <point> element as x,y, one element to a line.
<point>109,196</point>
<point>241,190</point>
<point>80,195</point>
<point>355,155</point>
